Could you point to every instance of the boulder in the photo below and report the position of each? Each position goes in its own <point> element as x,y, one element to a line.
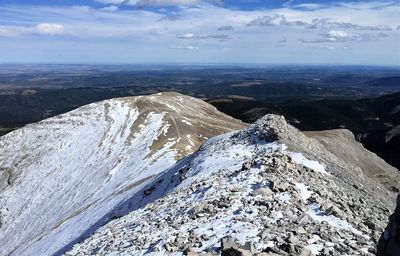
<point>189,252</point>
<point>227,243</point>
<point>230,248</point>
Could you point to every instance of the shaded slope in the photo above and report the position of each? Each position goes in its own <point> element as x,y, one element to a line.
<point>374,122</point>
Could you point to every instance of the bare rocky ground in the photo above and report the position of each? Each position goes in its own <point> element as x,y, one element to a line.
<point>266,190</point>
<point>343,145</point>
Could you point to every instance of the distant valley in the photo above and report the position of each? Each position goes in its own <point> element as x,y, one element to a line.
<point>375,122</point>
<point>361,99</point>
<point>199,128</point>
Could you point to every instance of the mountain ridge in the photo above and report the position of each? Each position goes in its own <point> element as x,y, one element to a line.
<point>268,188</point>
<point>128,175</point>
<point>374,121</point>
<point>62,175</point>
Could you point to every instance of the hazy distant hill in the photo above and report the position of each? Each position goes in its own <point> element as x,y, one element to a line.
<point>375,122</point>
<point>385,82</point>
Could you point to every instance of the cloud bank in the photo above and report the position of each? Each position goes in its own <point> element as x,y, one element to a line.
<point>144,3</point>
<point>206,31</point>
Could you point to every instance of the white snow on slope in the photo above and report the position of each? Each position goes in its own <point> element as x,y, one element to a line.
<point>318,215</point>
<point>217,154</point>
<point>70,171</point>
<point>304,192</point>
<point>314,165</point>
<point>212,174</point>
<point>299,158</point>
<point>76,156</point>
<point>186,122</point>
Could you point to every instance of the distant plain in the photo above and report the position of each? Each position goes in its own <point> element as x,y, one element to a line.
<point>363,99</point>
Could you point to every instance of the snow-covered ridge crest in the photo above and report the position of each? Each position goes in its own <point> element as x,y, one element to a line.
<point>61,176</point>
<point>269,187</point>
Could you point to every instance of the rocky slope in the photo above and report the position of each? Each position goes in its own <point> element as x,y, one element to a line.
<point>343,145</point>
<point>266,190</point>
<point>65,176</point>
<point>375,122</point>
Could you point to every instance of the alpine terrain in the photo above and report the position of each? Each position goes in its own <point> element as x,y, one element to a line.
<point>265,190</point>
<point>64,176</point>
<point>132,176</point>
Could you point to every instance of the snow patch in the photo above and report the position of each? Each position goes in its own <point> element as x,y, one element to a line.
<point>318,215</point>
<point>298,158</point>
<point>304,192</point>
<point>187,122</point>
<point>315,248</point>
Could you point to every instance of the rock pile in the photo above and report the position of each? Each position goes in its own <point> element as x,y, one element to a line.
<point>229,247</point>
<point>245,195</point>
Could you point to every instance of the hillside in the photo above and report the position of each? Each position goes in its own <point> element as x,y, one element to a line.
<point>63,177</point>
<point>266,189</point>
<point>166,173</point>
<point>343,145</point>
<point>375,122</point>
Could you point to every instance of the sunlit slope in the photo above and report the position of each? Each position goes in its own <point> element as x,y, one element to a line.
<point>60,176</point>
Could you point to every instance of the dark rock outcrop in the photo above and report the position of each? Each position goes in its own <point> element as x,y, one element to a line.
<point>389,243</point>
<point>230,248</point>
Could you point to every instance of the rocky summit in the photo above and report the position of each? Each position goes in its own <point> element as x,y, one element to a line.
<point>266,190</point>
<point>167,174</point>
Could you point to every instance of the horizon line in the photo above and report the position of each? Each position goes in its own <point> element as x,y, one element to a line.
<point>195,64</point>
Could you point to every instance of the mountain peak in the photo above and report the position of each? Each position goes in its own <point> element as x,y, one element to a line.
<point>63,176</point>
<point>168,173</point>
<point>248,191</point>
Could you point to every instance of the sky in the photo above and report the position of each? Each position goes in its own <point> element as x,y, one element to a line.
<point>200,31</point>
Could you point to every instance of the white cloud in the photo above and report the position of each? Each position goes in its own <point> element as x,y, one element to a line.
<point>309,6</point>
<point>225,28</point>
<point>273,20</point>
<point>39,29</point>
<point>188,48</point>
<point>167,2</point>
<point>142,3</point>
<point>50,28</point>
<point>343,36</point>
<point>141,34</point>
<point>203,36</point>
<point>338,34</point>
<point>328,24</point>
<point>325,23</point>
<point>112,2</point>
<point>111,8</point>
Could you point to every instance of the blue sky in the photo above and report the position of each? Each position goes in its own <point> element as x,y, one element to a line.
<point>200,31</point>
